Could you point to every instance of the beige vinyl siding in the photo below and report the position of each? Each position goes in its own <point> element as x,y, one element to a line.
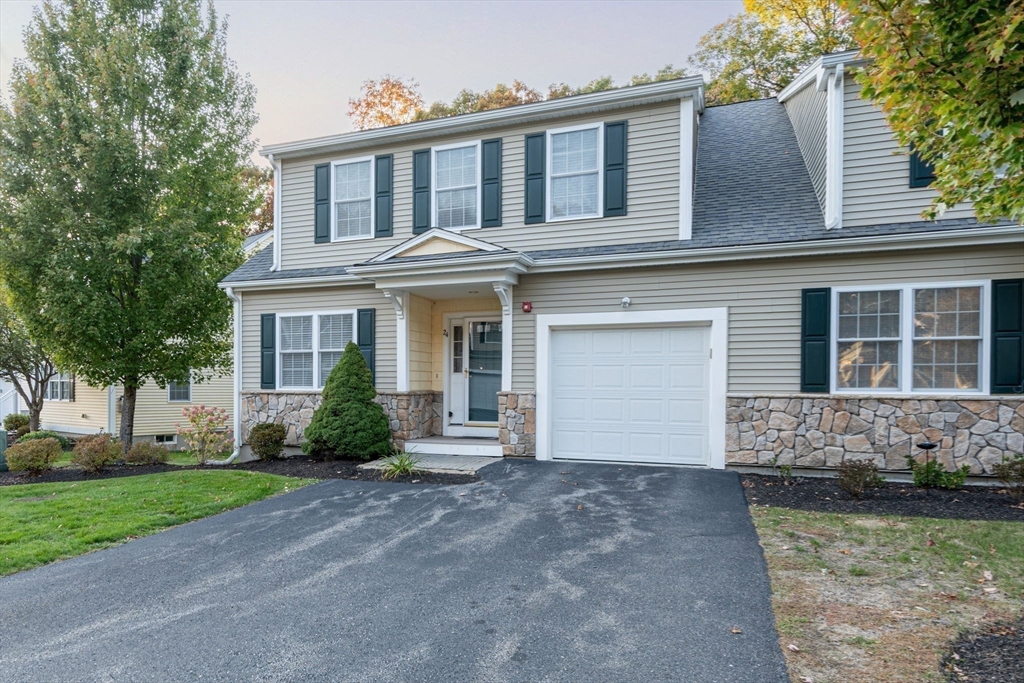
<point>763,299</point>
<point>876,170</point>
<point>310,300</point>
<point>652,194</point>
<point>808,111</point>
<point>155,415</point>
<point>87,414</point>
<point>419,343</point>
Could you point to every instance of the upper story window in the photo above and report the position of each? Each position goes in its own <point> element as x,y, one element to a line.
<point>179,393</point>
<point>353,199</point>
<point>311,345</point>
<point>59,388</point>
<point>574,172</point>
<point>457,186</point>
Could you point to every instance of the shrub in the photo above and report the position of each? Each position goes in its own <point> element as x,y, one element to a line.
<point>34,456</point>
<point>46,434</point>
<point>1011,475</point>
<point>146,453</point>
<point>857,476</point>
<point>349,424</point>
<point>206,435</point>
<point>783,472</point>
<point>22,431</point>
<point>93,453</point>
<point>267,440</point>
<point>399,464</point>
<point>15,421</point>
<point>932,474</point>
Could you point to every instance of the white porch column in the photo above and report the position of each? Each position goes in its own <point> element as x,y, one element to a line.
<point>400,300</point>
<point>504,292</point>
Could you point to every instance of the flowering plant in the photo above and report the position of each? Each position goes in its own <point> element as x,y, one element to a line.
<point>206,434</point>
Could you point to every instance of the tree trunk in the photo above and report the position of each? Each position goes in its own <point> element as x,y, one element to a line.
<point>34,409</point>
<point>128,415</point>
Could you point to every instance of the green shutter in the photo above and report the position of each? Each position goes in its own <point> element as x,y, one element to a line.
<point>382,195</point>
<point>421,191</point>
<point>814,340</point>
<point>322,203</point>
<point>615,169</point>
<point>1008,336</point>
<point>268,375</point>
<point>365,334</point>
<point>490,182</point>
<point>535,162</point>
<point>922,173</point>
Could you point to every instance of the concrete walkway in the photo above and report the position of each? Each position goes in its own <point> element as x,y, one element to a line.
<point>445,464</point>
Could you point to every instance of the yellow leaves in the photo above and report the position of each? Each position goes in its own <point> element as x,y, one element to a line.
<point>387,101</point>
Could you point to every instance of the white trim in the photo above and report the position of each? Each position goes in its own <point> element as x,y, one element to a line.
<point>446,368</point>
<point>65,429</point>
<point>548,151</point>
<point>504,292</point>
<point>276,265</point>
<point>236,371</point>
<point>818,71</point>
<point>718,317</point>
<point>687,160</point>
<point>438,233</point>
<point>906,339</point>
<point>834,151</point>
<point>434,190</point>
<point>111,409</point>
<point>260,243</point>
<point>334,201</point>
<point>315,350</point>
<point>175,400</point>
<point>400,300</point>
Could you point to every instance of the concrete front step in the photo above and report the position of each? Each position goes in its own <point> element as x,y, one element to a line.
<point>445,464</point>
<point>450,445</point>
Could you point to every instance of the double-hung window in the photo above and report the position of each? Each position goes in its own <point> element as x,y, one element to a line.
<point>179,393</point>
<point>575,160</point>
<point>457,186</point>
<point>311,345</point>
<point>58,388</point>
<point>353,199</point>
<point>910,338</point>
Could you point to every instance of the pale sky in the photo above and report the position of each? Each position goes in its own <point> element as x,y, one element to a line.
<point>308,57</point>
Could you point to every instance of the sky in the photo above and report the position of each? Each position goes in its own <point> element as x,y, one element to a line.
<point>307,58</point>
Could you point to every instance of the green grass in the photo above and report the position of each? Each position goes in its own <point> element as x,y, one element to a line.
<point>176,458</point>
<point>41,523</point>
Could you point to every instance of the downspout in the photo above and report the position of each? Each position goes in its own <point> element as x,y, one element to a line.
<point>276,163</point>
<point>236,378</point>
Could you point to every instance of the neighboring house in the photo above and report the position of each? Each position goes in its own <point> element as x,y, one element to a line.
<point>72,407</point>
<point>629,276</point>
<point>10,400</point>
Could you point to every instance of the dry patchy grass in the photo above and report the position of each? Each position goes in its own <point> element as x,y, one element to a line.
<point>868,598</point>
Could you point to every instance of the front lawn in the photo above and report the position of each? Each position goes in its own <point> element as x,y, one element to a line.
<point>880,598</point>
<point>41,523</point>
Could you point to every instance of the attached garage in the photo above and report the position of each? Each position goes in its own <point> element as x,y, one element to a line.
<point>640,387</point>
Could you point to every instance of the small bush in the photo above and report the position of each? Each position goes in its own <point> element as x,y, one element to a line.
<point>146,453</point>
<point>46,434</point>
<point>22,431</point>
<point>1011,475</point>
<point>783,472</point>
<point>93,453</point>
<point>15,421</point>
<point>206,435</point>
<point>933,475</point>
<point>34,456</point>
<point>857,476</point>
<point>267,440</point>
<point>398,465</point>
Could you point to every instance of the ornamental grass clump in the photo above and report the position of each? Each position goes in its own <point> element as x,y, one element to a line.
<point>349,423</point>
<point>93,453</point>
<point>206,434</point>
<point>34,456</point>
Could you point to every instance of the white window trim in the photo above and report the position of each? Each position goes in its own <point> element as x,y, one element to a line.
<point>316,344</point>
<point>178,400</point>
<point>433,183</point>
<point>600,172</point>
<point>334,201</point>
<point>59,378</point>
<point>906,388</point>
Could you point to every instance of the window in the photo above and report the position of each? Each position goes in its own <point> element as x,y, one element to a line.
<point>164,439</point>
<point>574,172</point>
<point>179,393</point>
<point>311,345</point>
<point>923,338</point>
<point>58,388</point>
<point>353,199</point>
<point>457,186</point>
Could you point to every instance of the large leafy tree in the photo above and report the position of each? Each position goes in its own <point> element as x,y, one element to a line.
<point>469,101</point>
<point>121,198</point>
<point>387,101</point>
<point>950,78</point>
<point>260,181</point>
<point>23,362</point>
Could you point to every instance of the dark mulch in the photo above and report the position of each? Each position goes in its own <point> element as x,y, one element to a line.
<point>299,466</point>
<point>994,656</point>
<point>903,499</point>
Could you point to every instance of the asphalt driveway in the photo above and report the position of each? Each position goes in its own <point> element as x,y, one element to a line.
<point>542,572</point>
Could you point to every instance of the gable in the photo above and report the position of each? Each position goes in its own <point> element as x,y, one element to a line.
<point>435,245</point>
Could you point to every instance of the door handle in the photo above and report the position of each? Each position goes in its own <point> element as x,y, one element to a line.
<point>465,372</point>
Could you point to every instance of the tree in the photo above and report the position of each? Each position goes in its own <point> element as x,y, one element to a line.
<point>950,78</point>
<point>468,101</point>
<point>559,90</point>
<point>260,182</point>
<point>666,73</point>
<point>122,202</point>
<point>23,362</point>
<point>349,423</point>
<point>387,101</point>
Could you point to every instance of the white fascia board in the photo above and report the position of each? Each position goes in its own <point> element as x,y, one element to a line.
<point>294,282</point>
<point>818,71</point>
<point>687,167</point>
<point>439,233</point>
<point>515,261</point>
<point>690,87</point>
<point>835,140</point>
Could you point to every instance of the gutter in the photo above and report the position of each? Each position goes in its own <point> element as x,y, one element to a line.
<point>236,379</point>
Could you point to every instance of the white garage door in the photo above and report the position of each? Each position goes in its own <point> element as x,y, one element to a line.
<point>636,394</point>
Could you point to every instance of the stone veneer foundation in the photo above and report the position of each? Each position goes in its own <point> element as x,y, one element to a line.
<point>517,424</point>
<point>809,430</point>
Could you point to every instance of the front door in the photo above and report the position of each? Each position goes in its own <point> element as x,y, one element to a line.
<point>474,368</point>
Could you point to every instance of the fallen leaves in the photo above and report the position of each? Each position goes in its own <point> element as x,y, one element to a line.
<point>793,648</point>
<point>736,629</point>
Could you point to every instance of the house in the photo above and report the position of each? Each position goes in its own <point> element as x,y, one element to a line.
<point>630,276</point>
<point>72,407</point>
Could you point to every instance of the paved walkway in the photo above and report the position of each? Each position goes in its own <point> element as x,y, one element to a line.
<point>542,572</point>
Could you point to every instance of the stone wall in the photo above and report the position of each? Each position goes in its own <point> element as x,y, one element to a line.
<point>807,430</point>
<point>517,424</point>
<point>413,414</point>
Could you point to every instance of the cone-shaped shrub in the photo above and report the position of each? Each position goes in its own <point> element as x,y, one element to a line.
<point>349,424</point>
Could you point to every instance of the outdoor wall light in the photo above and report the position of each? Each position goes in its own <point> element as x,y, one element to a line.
<point>527,307</point>
<point>626,302</point>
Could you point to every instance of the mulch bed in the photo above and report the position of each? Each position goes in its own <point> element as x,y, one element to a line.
<point>897,498</point>
<point>298,466</point>
<point>994,656</point>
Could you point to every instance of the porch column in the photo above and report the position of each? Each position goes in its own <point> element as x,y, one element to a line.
<point>504,292</point>
<point>400,300</point>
